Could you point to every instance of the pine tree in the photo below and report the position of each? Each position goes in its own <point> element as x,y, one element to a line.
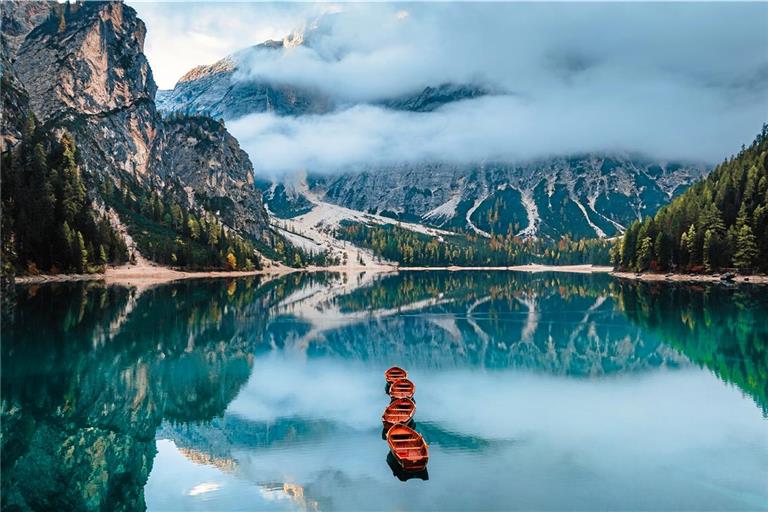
<point>662,249</point>
<point>746,253</point>
<point>710,250</point>
<point>82,254</point>
<point>644,254</point>
<point>692,246</point>
<point>73,190</point>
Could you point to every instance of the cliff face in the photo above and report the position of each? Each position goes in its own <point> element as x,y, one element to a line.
<point>223,90</point>
<point>582,196</point>
<point>87,58</point>
<point>18,18</point>
<point>82,68</point>
<point>201,153</point>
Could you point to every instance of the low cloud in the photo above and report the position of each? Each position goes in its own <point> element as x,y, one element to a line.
<point>508,128</point>
<point>672,81</point>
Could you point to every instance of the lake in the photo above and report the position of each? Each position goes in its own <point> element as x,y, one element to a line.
<point>534,391</point>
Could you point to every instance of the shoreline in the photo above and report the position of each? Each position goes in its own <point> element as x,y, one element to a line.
<point>689,278</point>
<point>148,275</point>
<point>144,275</point>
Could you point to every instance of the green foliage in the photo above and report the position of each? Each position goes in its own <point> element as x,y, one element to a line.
<point>409,248</point>
<point>48,223</point>
<point>745,257</point>
<point>721,222</point>
<point>169,233</point>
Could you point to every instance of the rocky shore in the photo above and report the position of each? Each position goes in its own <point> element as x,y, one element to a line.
<point>693,278</point>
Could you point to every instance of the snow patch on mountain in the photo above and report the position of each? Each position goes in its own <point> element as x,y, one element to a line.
<point>600,233</point>
<point>471,212</point>
<point>446,210</point>
<point>532,211</point>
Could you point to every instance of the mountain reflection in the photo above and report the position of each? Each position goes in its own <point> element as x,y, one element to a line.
<point>92,374</point>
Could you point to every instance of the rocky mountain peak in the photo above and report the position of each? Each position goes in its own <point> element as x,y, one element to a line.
<point>82,70</point>
<point>432,98</point>
<point>85,57</point>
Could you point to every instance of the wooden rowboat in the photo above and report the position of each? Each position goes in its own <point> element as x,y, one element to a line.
<point>402,388</point>
<point>399,411</point>
<point>394,374</point>
<point>408,447</point>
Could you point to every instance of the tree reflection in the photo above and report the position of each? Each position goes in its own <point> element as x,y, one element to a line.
<point>90,371</point>
<point>721,328</point>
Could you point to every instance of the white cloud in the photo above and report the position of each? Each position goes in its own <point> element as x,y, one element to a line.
<point>182,35</point>
<point>498,128</point>
<point>683,80</point>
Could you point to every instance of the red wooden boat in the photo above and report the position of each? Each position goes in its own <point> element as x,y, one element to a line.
<point>399,411</point>
<point>402,388</point>
<point>408,447</point>
<point>395,373</point>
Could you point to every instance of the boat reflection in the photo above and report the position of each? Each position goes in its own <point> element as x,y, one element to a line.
<point>402,475</point>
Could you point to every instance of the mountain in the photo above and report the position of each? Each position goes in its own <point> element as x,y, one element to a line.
<point>720,222</point>
<point>581,196</point>
<point>81,71</point>
<point>432,98</point>
<point>223,90</point>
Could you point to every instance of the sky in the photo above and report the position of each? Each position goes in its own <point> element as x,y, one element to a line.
<point>672,81</point>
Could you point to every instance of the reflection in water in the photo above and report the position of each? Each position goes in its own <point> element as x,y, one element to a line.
<point>402,475</point>
<point>271,389</point>
<point>721,328</point>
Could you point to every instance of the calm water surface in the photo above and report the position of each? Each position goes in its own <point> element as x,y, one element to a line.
<point>546,391</point>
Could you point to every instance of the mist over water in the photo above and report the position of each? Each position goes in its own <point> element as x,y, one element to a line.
<point>547,391</point>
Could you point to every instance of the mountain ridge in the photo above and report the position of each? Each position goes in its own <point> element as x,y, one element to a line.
<point>82,71</point>
<point>581,195</point>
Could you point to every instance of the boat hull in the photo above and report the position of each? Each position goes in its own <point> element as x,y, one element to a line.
<point>408,448</point>
<point>399,411</point>
<point>395,373</point>
<point>402,388</point>
<point>403,475</point>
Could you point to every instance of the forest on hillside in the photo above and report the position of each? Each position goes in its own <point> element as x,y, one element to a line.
<point>48,223</point>
<point>394,243</point>
<point>719,223</point>
<point>51,224</point>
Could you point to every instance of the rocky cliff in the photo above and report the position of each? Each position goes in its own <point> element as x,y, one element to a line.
<point>82,69</point>
<point>201,153</point>
<point>582,196</point>
<point>224,90</point>
<point>432,98</point>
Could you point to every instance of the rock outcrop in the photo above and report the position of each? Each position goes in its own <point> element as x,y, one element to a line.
<point>82,68</point>
<point>432,98</point>
<point>582,196</point>
<point>87,58</point>
<point>225,90</point>
<point>201,153</point>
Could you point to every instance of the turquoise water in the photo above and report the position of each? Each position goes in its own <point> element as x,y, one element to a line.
<point>534,391</point>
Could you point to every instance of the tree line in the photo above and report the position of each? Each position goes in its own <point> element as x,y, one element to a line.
<point>409,248</point>
<point>48,222</point>
<point>719,223</point>
<point>168,233</point>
